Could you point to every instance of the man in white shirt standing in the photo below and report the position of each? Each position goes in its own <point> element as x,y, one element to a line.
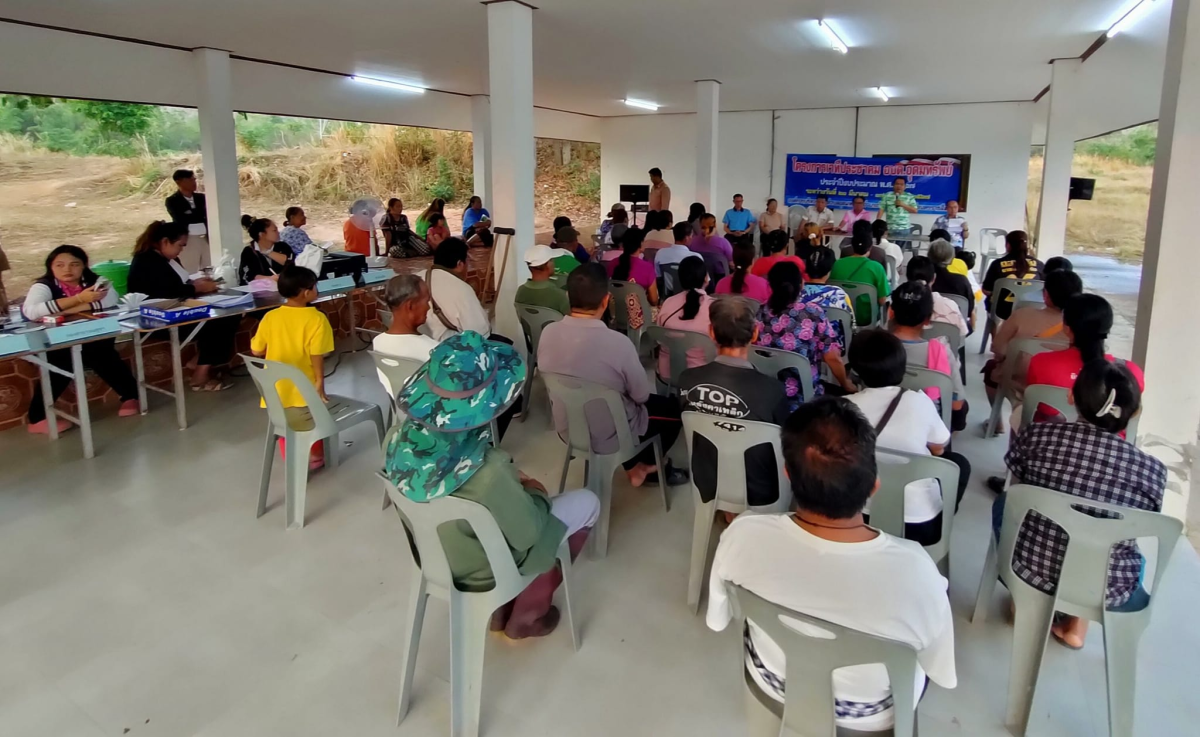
<point>824,561</point>
<point>954,224</point>
<point>819,214</point>
<point>455,307</point>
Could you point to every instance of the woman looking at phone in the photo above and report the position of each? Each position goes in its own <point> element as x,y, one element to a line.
<point>69,287</point>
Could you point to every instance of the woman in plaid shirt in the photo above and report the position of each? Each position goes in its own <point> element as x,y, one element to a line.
<point>1089,459</point>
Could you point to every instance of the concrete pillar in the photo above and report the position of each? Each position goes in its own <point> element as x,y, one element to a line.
<point>510,74</point>
<point>218,149</point>
<point>1165,342</point>
<point>708,110</point>
<point>481,145</point>
<point>1060,150</point>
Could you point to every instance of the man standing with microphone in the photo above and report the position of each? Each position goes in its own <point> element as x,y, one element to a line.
<point>895,207</point>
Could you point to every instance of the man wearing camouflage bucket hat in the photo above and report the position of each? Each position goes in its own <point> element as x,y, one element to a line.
<point>444,447</point>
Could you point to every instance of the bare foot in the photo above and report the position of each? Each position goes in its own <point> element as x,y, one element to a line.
<point>200,376</point>
<point>638,474</point>
<point>1070,631</point>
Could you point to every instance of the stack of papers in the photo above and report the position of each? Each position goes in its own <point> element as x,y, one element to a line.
<point>225,301</point>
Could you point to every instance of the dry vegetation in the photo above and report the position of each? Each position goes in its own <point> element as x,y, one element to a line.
<point>1114,222</point>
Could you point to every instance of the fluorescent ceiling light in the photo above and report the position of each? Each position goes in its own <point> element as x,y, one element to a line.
<point>882,95</point>
<point>390,85</point>
<point>835,40</point>
<point>1131,16</point>
<point>640,104</point>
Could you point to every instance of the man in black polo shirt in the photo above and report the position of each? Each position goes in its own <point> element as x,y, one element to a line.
<point>731,387</point>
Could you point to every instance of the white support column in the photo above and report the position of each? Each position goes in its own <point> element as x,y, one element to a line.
<point>218,148</point>
<point>481,145</point>
<point>708,111</point>
<point>510,73</point>
<point>1165,342</point>
<point>1060,150</point>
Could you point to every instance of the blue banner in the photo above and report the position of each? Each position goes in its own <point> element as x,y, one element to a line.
<point>842,178</point>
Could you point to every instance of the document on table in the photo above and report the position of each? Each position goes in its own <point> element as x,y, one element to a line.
<point>227,300</point>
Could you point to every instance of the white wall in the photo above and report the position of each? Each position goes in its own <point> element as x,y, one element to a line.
<point>996,135</point>
<point>98,68</point>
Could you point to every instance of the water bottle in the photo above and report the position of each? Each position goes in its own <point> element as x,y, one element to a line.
<point>14,315</point>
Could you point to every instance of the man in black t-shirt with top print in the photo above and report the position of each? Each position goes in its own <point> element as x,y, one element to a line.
<point>731,387</point>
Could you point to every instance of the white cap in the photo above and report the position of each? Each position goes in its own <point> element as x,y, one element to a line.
<point>538,255</point>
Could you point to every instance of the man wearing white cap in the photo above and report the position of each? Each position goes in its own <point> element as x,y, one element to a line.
<point>539,291</point>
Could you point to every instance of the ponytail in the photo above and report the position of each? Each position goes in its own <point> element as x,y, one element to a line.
<point>1090,319</point>
<point>1017,242</point>
<point>631,243</point>
<point>692,273</point>
<point>743,257</point>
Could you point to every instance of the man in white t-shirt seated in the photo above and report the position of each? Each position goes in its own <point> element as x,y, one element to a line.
<point>819,214</point>
<point>455,306</point>
<point>407,296</point>
<point>824,561</point>
<point>908,421</point>
<point>954,224</point>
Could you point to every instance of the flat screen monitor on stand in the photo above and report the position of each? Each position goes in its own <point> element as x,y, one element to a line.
<point>635,194</point>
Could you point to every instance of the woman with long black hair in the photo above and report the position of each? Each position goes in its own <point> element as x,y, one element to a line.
<point>630,266</point>
<point>69,287</point>
<point>1017,263</point>
<point>687,310</point>
<point>741,281</point>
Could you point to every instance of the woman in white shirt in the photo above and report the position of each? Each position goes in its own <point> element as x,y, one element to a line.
<point>69,287</point>
<point>907,421</point>
<point>879,230</point>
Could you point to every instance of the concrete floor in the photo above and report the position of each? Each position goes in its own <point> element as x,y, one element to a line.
<point>139,595</point>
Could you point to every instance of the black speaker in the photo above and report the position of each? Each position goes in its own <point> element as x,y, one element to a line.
<point>1082,189</point>
<point>635,193</point>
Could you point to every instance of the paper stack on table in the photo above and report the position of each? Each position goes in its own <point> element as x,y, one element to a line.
<point>225,301</point>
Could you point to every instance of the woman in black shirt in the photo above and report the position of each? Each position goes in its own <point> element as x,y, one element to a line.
<point>266,255</point>
<point>1017,264</point>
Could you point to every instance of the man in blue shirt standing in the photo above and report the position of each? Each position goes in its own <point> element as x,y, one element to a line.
<point>739,223</point>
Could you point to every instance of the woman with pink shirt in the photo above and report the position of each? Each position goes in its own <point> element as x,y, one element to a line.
<point>630,266</point>
<point>687,310</point>
<point>741,281</point>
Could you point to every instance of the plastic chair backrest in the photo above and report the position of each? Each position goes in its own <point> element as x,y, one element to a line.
<point>920,379</point>
<point>962,303</point>
<point>897,469</point>
<point>533,320</point>
<point>1025,347</point>
<point>947,331</point>
<point>812,656</point>
<point>575,395</point>
<point>1051,396</point>
<point>717,265</point>
<point>1083,581</point>
<point>795,215</point>
<point>422,519</point>
<point>990,238</point>
<point>770,361</point>
<point>397,370</point>
<point>854,290</point>
<point>670,273</point>
<point>893,271</point>
<point>1021,291</point>
<point>618,306</point>
<point>267,373</point>
<point>846,318</point>
<point>732,438</point>
<point>678,344</point>
<point>918,229</point>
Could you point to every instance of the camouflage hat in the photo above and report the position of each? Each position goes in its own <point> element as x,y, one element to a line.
<point>467,382</point>
<point>425,465</point>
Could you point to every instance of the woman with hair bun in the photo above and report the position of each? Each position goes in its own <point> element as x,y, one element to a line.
<point>266,255</point>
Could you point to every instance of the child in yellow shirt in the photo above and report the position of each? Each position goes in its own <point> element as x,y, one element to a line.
<point>299,336</point>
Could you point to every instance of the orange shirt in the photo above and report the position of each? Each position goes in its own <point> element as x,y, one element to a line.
<point>357,241</point>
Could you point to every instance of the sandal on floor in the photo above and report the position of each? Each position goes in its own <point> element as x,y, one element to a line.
<point>212,386</point>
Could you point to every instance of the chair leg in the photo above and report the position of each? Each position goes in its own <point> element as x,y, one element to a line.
<point>701,533</point>
<point>264,484</point>
<point>600,481</point>
<point>997,408</point>
<point>380,425</point>
<point>987,582</point>
<point>468,638</point>
<point>296,463</point>
<point>564,561</point>
<point>417,597</point>
<point>527,390</point>
<point>1122,635</point>
<point>662,473</point>
<point>1031,630</point>
<point>987,331</point>
<point>332,451</point>
<point>562,481</point>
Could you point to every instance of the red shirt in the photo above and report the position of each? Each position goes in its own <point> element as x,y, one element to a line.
<point>763,265</point>
<point>357,241</point>
<point>1061,368</point>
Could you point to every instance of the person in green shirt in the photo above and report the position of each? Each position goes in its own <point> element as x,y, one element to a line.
<point>896,207</point>
<point>541,290</point>
<point>444,448</point>
<point>859,268</point>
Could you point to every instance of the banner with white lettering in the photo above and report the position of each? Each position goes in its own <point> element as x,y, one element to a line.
<point>842,178</point>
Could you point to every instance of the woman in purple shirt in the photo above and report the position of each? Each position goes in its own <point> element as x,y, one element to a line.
<point>708,241</point>
<point>632,267</point>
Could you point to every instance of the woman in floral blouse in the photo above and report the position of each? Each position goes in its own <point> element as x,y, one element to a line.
<point>786,321</point>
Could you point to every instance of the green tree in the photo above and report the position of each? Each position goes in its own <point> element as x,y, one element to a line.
<point>122,119</point>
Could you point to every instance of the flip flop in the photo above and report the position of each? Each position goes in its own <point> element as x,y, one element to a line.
<point>212,386</point>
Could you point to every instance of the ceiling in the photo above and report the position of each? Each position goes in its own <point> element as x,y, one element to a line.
<point>589,54</point>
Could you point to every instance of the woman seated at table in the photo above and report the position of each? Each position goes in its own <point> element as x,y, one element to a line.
<point>69,287</point>
<point>687,310</point>
<point>156,272</point>
<point>293,233</point>
<point>266,255</point>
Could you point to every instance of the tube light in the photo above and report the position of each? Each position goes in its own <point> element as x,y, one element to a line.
<point>835,40</point>
<point>882,95</point>
<point>640,104</point>
<point>390,85</point>
<point>1131,16</point>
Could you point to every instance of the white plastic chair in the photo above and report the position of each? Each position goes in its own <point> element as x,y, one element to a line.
<point>770,361</point>
<point>812,655</point>
<point>1081,591</point>
<point>991,245</point>
<point>1023,291</point>
<point>1056,397</point>
<point>1014,354</point>
<point>846,319</point>
<point>919,379</point>
<point>620,291</point>
<point>678,343</point>
<point>575,395</point>
<point>897,469</point>
<point>301,428</point>
<point>470,612</point>
<point>398,371</point>
<point>533,319</point>
<point>731,438</point>
<point>963,305</point>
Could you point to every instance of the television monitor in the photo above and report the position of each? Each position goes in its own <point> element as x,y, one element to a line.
<point>635,193</point>
<point>1082,189</point>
